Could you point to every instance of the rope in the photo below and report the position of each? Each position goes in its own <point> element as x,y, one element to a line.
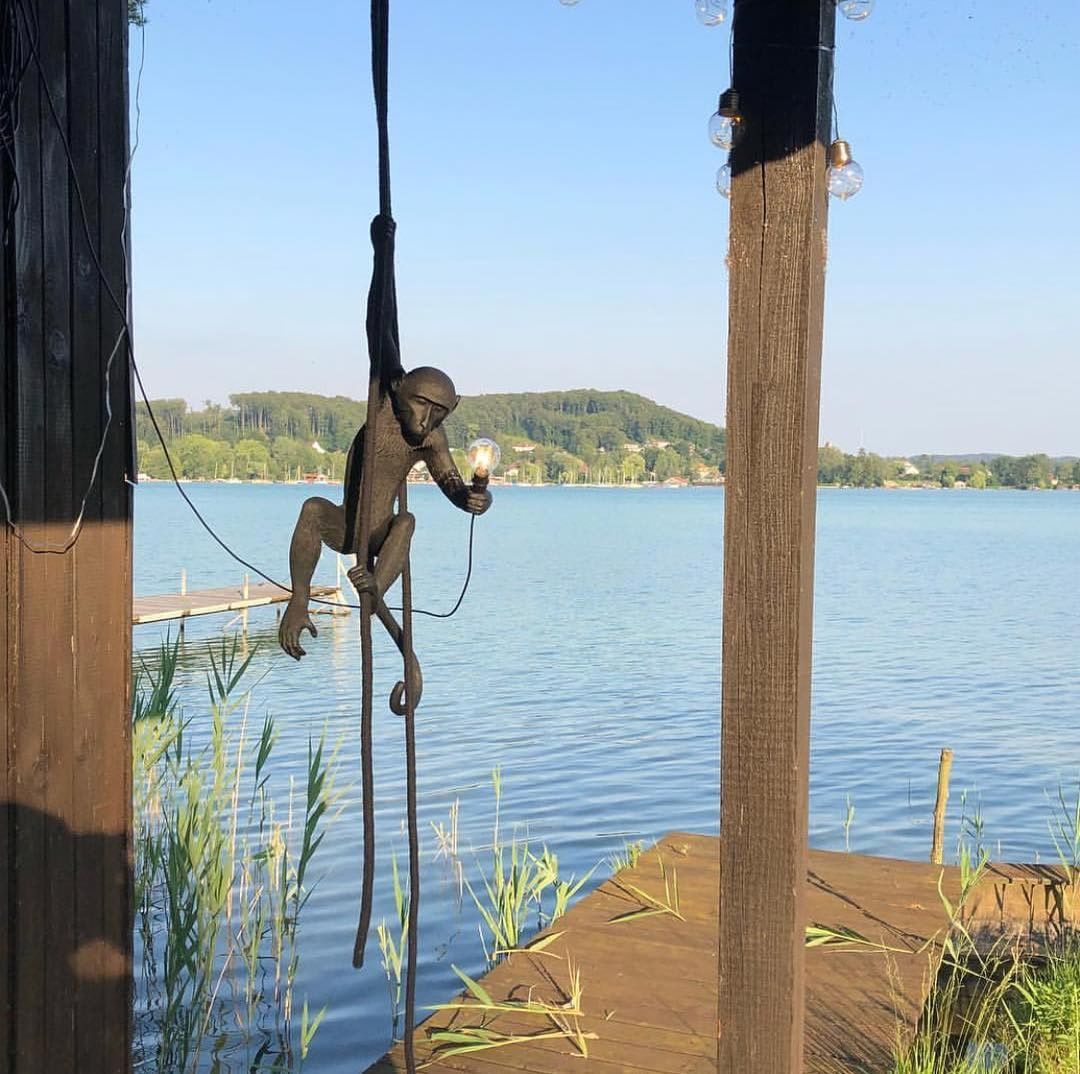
<point>384,305</point>
<point>382,333</point>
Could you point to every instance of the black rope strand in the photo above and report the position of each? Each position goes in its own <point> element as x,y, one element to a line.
<point>410,809</point>
<point>379,317</point>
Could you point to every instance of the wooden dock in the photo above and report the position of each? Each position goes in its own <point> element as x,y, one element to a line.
<point>649,985</point>
<point>239,599</point>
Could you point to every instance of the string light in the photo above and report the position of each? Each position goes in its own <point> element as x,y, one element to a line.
<point>710,12</point>
<point>856,10</point>
<point>844,176</point>
<point>725,125</point>
<point>723,181</point>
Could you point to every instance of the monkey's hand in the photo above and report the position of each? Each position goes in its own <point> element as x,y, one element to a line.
<point>295,620</point>
<point>475,502</point>
<point>363,581</point>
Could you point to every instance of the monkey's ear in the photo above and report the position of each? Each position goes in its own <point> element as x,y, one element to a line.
<point>457,399</point>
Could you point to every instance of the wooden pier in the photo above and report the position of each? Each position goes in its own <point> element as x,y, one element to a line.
<point>239,599</point>
<point>649,985</point>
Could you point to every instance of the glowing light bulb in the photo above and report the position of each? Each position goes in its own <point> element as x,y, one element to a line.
<point>856,10</point>
<point>844,177</point>
<point>725,124</point>
<point>484,456</point>
<point>723,181</point>
<point>711,12</point>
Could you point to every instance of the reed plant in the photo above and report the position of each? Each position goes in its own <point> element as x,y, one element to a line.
<point>511,894</point>
<point>221,877</point>
<point>557,1018</point>
<point>628,857</point>
<point>392,945</point>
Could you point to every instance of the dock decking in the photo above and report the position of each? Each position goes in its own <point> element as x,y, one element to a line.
<point>237,598</point>
<point>649,985</point>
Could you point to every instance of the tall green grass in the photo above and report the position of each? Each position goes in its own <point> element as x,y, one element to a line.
<point>514,891</point>
<point>1000,1003</point>
<point>222,874</point>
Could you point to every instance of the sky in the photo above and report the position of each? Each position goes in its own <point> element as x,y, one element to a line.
<point>558,225</point>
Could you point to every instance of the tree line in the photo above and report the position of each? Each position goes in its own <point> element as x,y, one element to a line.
<point>867,470</point>
<point>569,437</point>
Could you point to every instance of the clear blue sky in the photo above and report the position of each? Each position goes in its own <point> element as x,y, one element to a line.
<point>558,225</point>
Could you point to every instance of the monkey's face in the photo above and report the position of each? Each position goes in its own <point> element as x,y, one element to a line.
<point>418,415</point>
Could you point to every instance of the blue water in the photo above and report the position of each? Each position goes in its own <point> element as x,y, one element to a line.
<point>585,661</point>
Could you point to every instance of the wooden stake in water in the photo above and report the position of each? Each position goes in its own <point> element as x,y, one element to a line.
<point>944,769</point>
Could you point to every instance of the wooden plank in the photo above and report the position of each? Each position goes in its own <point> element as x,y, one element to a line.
<point>52,615</point>
<point>28,931</point>
<point>783,72</point>
<point>156,609</point>
<point>109,636</point>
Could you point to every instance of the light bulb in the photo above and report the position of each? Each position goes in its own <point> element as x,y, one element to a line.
<point>725,124</point>
<point>711,12</point>
<point>844,177</point>
<point>723,181</point>
<point>484,456</point>
<point>856,10</point>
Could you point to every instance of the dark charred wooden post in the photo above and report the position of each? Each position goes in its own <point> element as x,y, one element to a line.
<point>65,604</point>
<point>783,73</point>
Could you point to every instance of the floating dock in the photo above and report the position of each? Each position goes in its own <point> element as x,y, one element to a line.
<point>649,983</point>
<point>238,599</point>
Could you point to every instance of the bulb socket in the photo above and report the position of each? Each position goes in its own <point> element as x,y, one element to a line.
<point>839,153</point>
<point>729,104</point>
<point>480,480</point>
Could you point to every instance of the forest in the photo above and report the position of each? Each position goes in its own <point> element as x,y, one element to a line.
<point>568,437</point>
<point>581,436</point>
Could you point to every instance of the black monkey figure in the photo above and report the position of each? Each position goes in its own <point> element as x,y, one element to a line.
<point>408,430</point>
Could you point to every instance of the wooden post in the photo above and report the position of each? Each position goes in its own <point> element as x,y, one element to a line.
<point>783,73</point>
<point>937,848</point>
<point>65,614</point>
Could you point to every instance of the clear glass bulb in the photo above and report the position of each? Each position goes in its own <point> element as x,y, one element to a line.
<point>723,181</point>
<point>724,131</point>
<point>711,12</point>
<point>856,10</point>
<point>484,456</point>
<point>844,181</point>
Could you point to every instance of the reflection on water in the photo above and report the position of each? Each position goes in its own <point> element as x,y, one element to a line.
<point>585,661</point>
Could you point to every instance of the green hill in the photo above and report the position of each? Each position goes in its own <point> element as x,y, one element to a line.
<point>570,436</point>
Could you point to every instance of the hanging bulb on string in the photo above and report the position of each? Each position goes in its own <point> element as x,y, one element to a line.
<point>844,177</point>
<point>725,124</point>
<point>723,181</point>
<point>484,457</point>
<point>711,12</point>
<point>856,10</point>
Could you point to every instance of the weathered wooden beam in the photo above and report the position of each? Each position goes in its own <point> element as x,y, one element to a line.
<point>783,73</point>
<point>65,780</point>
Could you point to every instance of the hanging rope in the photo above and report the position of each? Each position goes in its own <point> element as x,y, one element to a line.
<point>382,329</point>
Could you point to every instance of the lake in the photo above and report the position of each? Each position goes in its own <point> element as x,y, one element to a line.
<point>585,662</point>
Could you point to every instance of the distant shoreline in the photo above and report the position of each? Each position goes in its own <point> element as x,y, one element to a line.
<point>639,486</point>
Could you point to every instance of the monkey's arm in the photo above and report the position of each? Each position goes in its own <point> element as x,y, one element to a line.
<point>320,522</point>
<point>444,472</point>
